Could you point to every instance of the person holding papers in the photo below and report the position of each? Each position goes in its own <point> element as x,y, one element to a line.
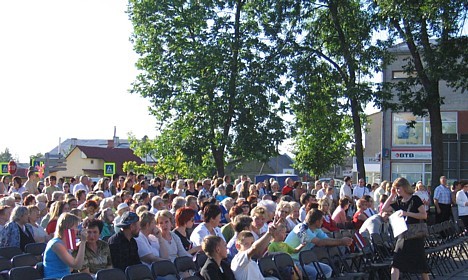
<point>409,254</point>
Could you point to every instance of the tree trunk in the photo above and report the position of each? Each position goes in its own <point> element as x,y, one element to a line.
<point>218,156</point>
<point>437,154</point>
<point>358,138</point>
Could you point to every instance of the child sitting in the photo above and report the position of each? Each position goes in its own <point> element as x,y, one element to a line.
<point>279,246</point>
<point>242,265</point>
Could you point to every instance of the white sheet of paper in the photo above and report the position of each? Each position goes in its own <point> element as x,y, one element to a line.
<point>398,223</point>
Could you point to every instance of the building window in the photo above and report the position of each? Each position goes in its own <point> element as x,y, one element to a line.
<point>420,133</point>
<point>396,75</point>
<point>92,161</point>
<point>413,172</point>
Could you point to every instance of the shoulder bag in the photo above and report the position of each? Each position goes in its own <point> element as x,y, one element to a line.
<point>418,230</point>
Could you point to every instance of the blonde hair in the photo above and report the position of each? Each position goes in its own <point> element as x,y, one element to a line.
<point>323,201</point>
<point>284,204</point>
<point>294,205</point>
<point>259,211</point>
<point>420,186</point>
<point>404,184</point>
<point>65,221</point>
<point>164,213</point>
<point>141,209</point>
<point>55,209</point>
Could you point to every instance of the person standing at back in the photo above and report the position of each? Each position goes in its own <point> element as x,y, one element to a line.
<point>462,202</point>
<point>31,184</point>
<point>442,201</point>
<point>360,190</point>
<point>82,185</point>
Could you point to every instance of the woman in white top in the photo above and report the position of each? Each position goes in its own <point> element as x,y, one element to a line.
<point>293,218</point>
<point>212,218</point>
<point>40,235</point>
<point>421,191</point>
<point>462,203</point>
<point>150,245</point>
<point>169,239</point>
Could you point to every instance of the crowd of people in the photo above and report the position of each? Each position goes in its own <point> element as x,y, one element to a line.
<point>125,220</point>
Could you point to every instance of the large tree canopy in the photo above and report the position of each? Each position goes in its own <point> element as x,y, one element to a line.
<point>432,31</point>
<point>332,57</point>
<point>209,75</point>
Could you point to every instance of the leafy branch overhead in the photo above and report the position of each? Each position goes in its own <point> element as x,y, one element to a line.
<point>209,76</point>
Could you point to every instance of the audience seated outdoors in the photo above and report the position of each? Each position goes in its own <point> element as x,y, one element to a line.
<point>58,261</point>
<point>97,253</point>
<point>127,220</point>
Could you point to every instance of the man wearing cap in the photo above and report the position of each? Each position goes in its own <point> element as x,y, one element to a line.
<point>123,247</point>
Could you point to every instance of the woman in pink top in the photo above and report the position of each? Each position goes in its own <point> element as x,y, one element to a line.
<point>339,215</point>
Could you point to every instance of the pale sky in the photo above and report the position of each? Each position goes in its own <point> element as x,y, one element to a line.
<point>65,70</point>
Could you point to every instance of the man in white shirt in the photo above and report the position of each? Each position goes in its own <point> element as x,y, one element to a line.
<point>82,185</point>
<point>360,190</point>
<point>322,191</point>
<point>346,190</point>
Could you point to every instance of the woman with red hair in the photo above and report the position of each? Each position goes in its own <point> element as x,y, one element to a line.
<point>184,219</point>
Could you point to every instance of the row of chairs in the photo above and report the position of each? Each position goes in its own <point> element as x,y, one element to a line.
<point>361,260</point>
<point>11,257</point>
<point>36,249</point>
<point>446,247</point>
<point>182,268</point>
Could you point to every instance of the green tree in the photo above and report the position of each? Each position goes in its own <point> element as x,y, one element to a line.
<point>432,31</point>
<point>323,135</point>
<point>6,156</point>
<point>209,75</point>
<point>331,41</point>
<point>173,158</point>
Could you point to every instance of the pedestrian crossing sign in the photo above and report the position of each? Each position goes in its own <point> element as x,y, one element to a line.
<point>109,168</point>
<point>4,168</point>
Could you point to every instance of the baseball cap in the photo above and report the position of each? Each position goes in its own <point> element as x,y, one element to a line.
<point>128,218</point>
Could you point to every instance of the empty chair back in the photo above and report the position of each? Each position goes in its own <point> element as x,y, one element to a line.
<point>24,273</point>
<point>138,272</point>
<point>110,274</point>
<point>36,249</point>
<point>200,260</point>
<point>285,265</point>
<point>5,264</point>
<point>185,264</point>
<point>307,257</point>
<point>24,260</point>
<point>166,269</point>
<point>267,267</point>
<point>10,252</point>
<point>78,276</point>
